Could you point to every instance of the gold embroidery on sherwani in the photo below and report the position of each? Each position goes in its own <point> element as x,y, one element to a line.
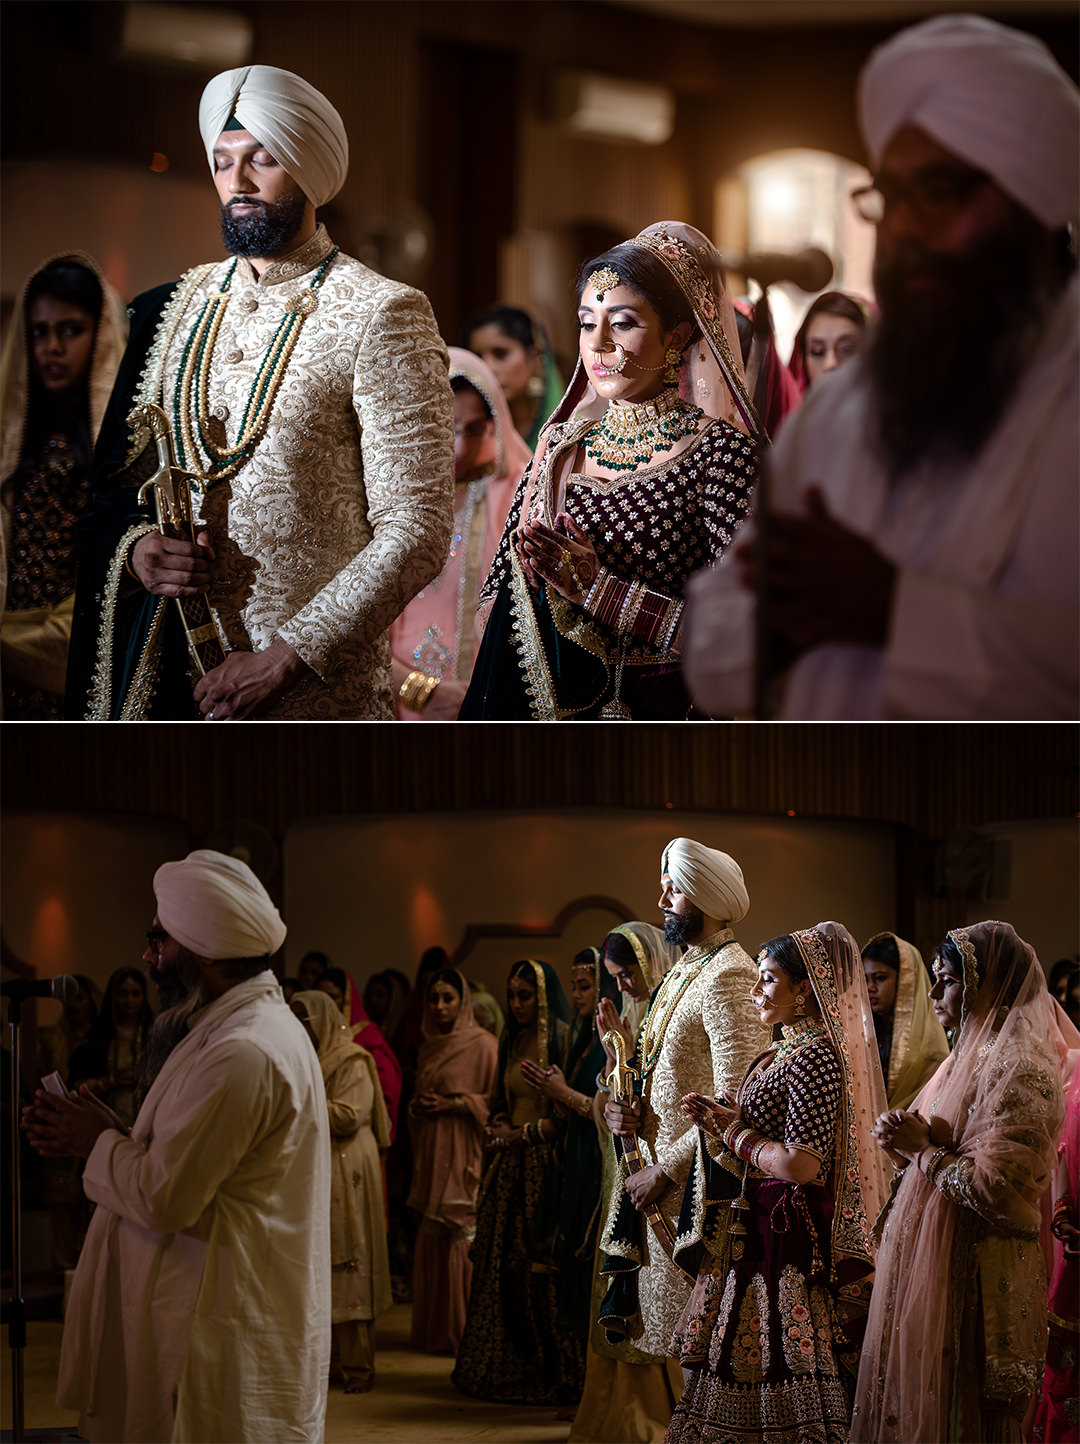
<point>343,512</point>
<point>708,1041</point>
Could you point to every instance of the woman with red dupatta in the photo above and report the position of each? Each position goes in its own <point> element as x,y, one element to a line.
<point>455,1076</point>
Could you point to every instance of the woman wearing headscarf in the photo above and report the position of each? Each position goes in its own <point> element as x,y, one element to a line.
<point>359,1127</point>
<point>109,1061</point>
<point>580,1120</point>
<point>60,358</point>
<point>628,1395</point>
<point>956,1336</point>
<point>341,988</point>
<point>640,477</point>
<point>435,639</point>
<point>785,1185</point>
<point>455,1076</point>
<point>514,345</point>
<point>513,1350</point>
<point>911,1041</point>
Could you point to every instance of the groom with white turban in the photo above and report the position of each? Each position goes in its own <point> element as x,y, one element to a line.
<point>200,1308</point>
<point>922,555</point>
<point>700,1035</point>
<point>310,395</point>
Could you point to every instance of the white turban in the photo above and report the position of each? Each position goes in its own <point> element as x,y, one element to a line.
<point>712,880</point>
<point>216,906</point>
<point>991,95</point>
<point>294,121</point>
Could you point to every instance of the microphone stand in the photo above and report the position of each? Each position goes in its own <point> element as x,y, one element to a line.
<point>17,1306</point>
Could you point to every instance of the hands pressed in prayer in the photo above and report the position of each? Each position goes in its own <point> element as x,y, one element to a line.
<point>709,1113</point>
<point>646,1186</point>
<point>501,1135</point>
<point>901,1134</point>
<point>68,1127</point>
<point>565,558</point>
<point>607,1021</point>
<point>170,568</point>
<point>623,1118</point>
<point>247,681</point>
<point>826,582</point>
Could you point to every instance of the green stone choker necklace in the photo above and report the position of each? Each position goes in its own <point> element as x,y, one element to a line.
<point>629,434</point>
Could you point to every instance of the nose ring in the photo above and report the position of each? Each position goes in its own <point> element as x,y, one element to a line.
<point>622,357</point>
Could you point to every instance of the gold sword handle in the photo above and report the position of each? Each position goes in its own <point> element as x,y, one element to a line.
<point>621,1081</point>
<point>172,488</point>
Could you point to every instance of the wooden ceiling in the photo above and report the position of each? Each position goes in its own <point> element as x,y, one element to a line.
<point>932,778</point>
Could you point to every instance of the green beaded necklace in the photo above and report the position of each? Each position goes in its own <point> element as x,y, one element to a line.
<point>628,435</point>
<point>191,394</point>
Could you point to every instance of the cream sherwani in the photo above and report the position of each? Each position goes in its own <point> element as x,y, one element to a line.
<point>200,1309</point>
<point>713,1034</point>
<point>985,615</point>
<point>343,510</point>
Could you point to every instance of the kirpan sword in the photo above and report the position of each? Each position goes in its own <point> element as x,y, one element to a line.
<point>172,488</point>
<point>621,1082</point>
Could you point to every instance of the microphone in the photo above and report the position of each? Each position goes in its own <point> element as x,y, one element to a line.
<point>810,270</point>
<point>63,988</point>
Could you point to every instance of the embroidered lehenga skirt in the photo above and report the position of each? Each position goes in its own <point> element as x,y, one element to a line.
<point>512,1350</point>
<point>761,1334</point>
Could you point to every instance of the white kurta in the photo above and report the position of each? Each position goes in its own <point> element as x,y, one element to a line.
<point>985,615</point>
<point>200,1309</point>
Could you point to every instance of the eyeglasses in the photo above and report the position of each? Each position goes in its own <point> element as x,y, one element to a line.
<point>934,194</point>
<point>156,938</point>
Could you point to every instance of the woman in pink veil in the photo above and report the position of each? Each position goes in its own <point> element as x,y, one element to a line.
<point>641,476</point>
<point>782,1194</point>
<point>435,639</point>
<point>956,1336</point>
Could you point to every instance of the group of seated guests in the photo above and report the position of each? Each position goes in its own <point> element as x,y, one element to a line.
<point>952,1186</point>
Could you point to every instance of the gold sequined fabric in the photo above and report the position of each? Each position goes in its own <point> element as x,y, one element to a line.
<point>343,510</point>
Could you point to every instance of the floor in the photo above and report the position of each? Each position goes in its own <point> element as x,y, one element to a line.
<point>413,1401</point>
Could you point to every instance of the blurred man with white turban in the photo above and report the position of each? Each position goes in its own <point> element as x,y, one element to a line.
<point>200,1308</point>
<point>700,1035</point>
<point>922,555</point>
<point>311,397</point>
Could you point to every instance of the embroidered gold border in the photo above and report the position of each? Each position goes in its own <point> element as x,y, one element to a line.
<point>100,699</point>
<point>151,381</point>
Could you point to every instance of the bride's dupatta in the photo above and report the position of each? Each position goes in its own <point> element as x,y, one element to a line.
<point>544,657</point>
<point>957,1324</point>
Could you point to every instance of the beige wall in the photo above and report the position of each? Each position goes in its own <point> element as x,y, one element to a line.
<point>77,892</point>
<point>1041,897</point>
<point>374,892</point>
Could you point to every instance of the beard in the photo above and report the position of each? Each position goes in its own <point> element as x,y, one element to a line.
<point>267,233</point>
<point>180,994</point>
<point>943,363</point>
<point>685,928</point>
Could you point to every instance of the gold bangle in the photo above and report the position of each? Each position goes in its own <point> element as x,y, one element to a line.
<point>415,692</point>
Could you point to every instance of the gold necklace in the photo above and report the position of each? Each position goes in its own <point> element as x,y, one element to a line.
<point>630,433</point>
<point>191,404</point>
<point>664,1004</point>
